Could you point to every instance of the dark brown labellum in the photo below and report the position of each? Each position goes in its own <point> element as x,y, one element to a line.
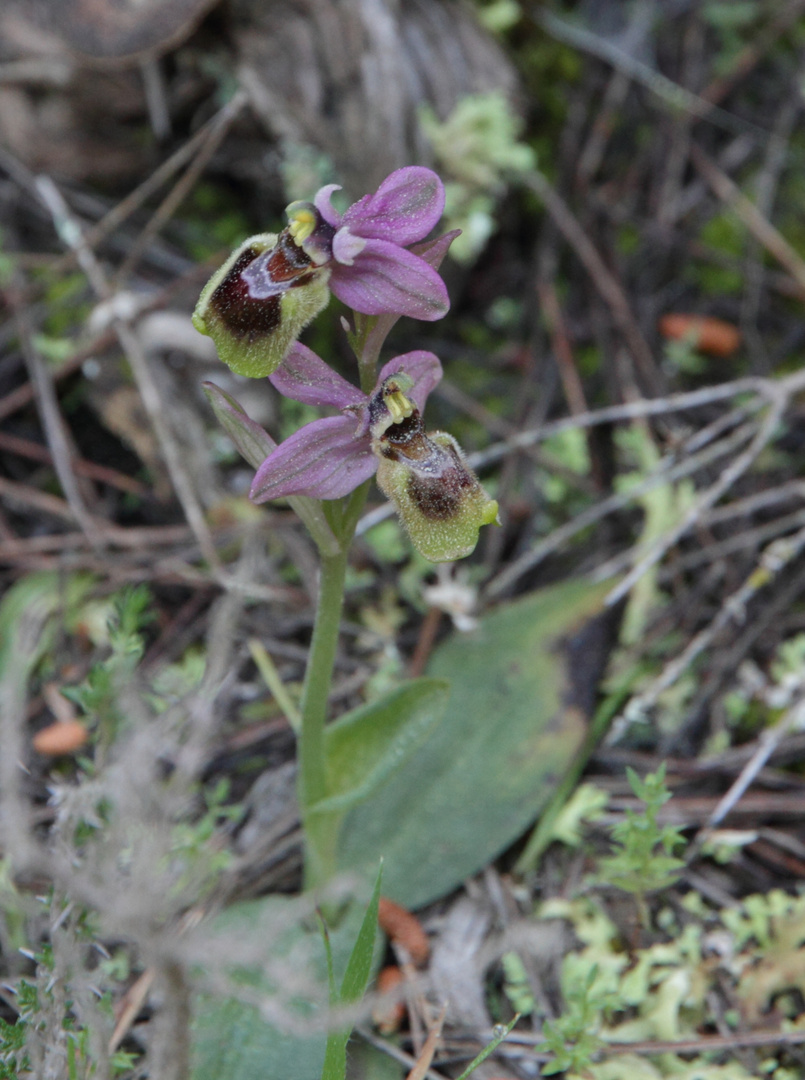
<point>232,303</point>
<point>438,497</point>
<point>248,299</point>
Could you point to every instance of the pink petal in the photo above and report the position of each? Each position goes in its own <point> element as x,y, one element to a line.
<point>387,278</point>
<point>434,251</point>
<point>404,208</point>
<point>423,367</point>
<point>322,203</point>
<point>322,459</point>
<point>346,247</point>
<point>304,377</point>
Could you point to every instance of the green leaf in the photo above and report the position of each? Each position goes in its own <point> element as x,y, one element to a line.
<point>328,952</point>
<point>254,445</point>
<point>252,441</point>
<point>510,730</point>
<point>231,1036</point>
<point>363,747</point>
<point>359,966</point>
<point>353,986</point>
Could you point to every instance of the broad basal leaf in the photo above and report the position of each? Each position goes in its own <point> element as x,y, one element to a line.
<point>365,746</point>
<point>511,727</point>
<point>234,1038</point>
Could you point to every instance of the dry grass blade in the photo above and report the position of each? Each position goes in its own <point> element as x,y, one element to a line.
<point>130,1006</point>
<point>603,279</point>
<point>669,93</point>
<point>707,499</point>
<point>668,471</point>
<point>202,154</point>
<point>70,230</point>
<point>102,473</point>
<point>422,1066</point>
<point>758,225</point>
<point>55,431</point>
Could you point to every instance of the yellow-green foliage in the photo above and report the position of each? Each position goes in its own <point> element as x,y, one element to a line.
<point>661,992</point>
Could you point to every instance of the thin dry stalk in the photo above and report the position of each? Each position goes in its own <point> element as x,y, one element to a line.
<point>35,451</point>
<point>603,279</point>
<point>668,471</point>
<point>667,92</point>
<point>757,224</point>
<point>214,135</point>
<point>120,213</point>
<point>706,500</point>
<point>71,233</point>
<point>774,559</point>
<point>55,430</point>
<point>563,351</point>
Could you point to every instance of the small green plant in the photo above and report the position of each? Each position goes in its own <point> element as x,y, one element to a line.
<point>99,695</point>
<point>479,148</point>
<point>197,857</point>
<point>573,1037</point>
<point>47,1033</point>
<point>643,858</point>
<point>13,1058</point>
<point>353,985</point>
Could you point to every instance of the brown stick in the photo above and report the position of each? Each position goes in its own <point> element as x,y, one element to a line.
<point>758,225</point>
<point>602,278</point>
<point>565,360</point>
<point>35,451</point>
<point>427,636</point>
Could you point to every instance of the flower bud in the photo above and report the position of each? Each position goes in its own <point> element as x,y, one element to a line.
<point>255,306</point>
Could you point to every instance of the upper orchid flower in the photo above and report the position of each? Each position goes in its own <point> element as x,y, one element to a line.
<point>439,499</point>
<point>366,248</point>
<point>256,305</point>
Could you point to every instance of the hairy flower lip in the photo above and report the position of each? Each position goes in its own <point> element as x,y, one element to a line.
<point>259,300</point>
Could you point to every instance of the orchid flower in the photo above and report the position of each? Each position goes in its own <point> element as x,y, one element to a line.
<point>256,305</point>
<point>438,498</point>
<point>366,248</point>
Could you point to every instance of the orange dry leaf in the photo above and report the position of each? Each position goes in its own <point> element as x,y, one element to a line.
<point>63,737</point>
<point>709,335</point>
<point>404,929</point>
<point>388,1014</point>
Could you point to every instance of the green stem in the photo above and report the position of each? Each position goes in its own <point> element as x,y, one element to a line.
<point>321,830</point>
<point>317,678</point>
<point>370,333</point>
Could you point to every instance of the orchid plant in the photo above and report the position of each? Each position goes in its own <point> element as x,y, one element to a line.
<point>376,259</point>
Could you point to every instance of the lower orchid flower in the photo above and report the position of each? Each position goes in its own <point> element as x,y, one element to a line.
<point>437,496</point>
